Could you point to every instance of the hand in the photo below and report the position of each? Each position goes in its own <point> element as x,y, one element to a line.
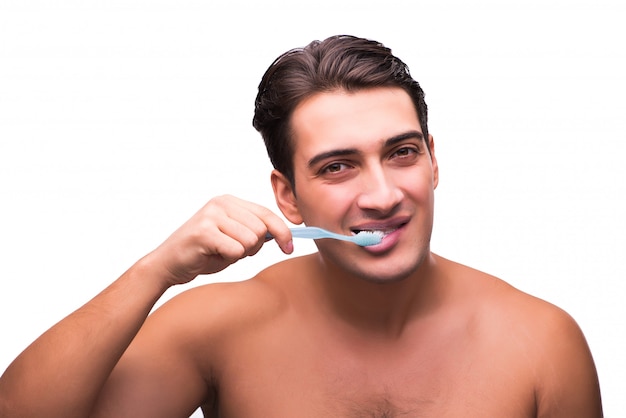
<point>225,230</point>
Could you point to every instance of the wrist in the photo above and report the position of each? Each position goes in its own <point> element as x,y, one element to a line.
<point>150,269</point>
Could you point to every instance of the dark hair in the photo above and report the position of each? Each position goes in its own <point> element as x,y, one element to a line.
<point>339,62</point>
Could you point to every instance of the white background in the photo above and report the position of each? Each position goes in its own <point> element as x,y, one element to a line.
<point>119,119</point>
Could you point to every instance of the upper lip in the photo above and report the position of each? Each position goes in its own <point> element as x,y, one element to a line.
<point>387,225</point>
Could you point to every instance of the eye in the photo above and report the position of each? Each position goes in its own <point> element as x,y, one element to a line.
<point>334,168</point>
<point>405,152</point>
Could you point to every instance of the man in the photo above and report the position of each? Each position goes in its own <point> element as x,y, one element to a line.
<point>388,330</point>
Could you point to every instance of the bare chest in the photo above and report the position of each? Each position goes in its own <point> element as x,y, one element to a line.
<point>313,380</point>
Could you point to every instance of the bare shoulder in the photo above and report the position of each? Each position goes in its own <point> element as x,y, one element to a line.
<point>210,316</point>
<point>217,308</point>
<point>173,363</point>
<point>542,339</point>
<point>495,297</point>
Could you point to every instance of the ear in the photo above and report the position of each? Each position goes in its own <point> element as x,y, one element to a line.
<point>285,197</point>
<point>431,147</point>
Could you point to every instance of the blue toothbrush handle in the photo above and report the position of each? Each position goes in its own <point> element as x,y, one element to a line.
<point>306,232</point>
<point>363,239</point>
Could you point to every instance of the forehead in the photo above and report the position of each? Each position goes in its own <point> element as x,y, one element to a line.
<point>339,119</point>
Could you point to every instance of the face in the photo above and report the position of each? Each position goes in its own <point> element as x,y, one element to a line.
<point>361,163</point>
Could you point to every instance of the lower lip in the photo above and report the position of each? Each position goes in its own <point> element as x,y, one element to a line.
<point>389,240</point>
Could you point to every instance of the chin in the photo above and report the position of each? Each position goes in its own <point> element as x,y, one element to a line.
<point>379,270</point>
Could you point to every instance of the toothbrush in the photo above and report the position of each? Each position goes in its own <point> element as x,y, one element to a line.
<point>363,238</point>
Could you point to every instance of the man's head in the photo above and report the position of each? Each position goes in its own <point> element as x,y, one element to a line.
<point>340,62</point>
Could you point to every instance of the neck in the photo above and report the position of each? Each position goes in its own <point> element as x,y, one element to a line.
<point>374,307</point>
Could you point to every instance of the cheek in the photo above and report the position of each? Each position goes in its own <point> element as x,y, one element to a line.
<point>325,204</point>
<point>419,187</point>
<point>423,193</point>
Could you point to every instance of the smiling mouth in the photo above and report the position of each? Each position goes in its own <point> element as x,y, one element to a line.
<point>383,231</point>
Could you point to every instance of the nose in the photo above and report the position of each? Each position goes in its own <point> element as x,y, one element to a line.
<point>379,192</point>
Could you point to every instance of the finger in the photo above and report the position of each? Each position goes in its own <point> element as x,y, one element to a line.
<point>258,218</point>
<point>272,223</point>
<point>247,235</point>
<point>276,227</point>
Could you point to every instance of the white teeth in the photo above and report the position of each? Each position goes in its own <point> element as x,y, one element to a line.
<point>375,231</point>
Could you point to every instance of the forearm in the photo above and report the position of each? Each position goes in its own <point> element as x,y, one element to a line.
<point>62,372</point>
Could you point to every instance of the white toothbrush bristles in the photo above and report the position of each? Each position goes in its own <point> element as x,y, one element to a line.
<point>367,238</point>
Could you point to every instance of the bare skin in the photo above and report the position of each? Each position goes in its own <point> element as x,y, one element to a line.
<point>391,330</point>
<point>481,348</point>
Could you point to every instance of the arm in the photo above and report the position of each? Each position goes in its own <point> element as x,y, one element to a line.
<point>568,384</point>
<point>62,373</point>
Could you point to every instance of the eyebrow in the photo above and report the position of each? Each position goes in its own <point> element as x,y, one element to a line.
<point>352,151</point>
